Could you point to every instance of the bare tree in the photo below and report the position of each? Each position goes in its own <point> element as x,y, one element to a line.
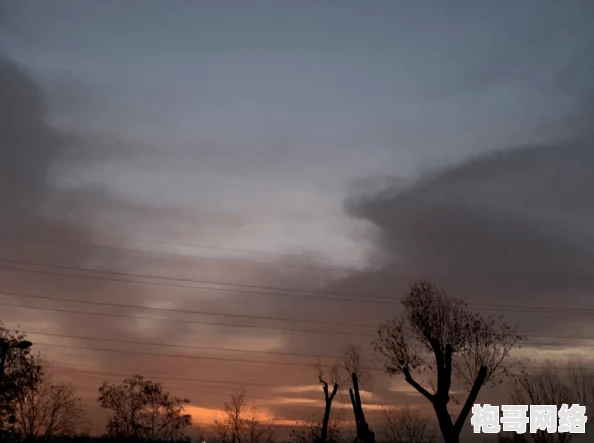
<point>437,334</point>
<point>334,375</point>
<point>355,369</point>
<point>47,410</point>
<point>142,409</point>
<point>242,423</point>
<point>546,386</point>
<point>406,425</point>
<point>84,428</point>
<point>311,431</point>
<point>582,386</point>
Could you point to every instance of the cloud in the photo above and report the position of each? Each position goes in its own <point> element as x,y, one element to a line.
<point>27,143</point>
<point>35,153</point>
<point>524,215</point>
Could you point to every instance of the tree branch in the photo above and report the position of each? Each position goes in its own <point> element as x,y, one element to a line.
<point>411,381</point>
<point>334,391</point>
<point>478,383</point>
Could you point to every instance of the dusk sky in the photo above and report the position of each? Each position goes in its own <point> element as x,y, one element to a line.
<point>296,149</point>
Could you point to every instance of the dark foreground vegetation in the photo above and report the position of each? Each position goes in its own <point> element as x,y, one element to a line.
<point>436,339</point>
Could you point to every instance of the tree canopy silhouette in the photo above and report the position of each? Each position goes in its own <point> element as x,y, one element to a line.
<point>438,334</point>
<point>46,410</point>
<point>143,410</point>
<point>22,371</point>
<point>547,386</point>
<point>406,425</point>
<point>242,423</point>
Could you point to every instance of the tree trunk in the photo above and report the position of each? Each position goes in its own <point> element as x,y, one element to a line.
<point>363,432</point>
<point>355,412</point>
<point>358,400</point>
<point>446,426</point>
<point>328,398</point>
<point>324,432</point>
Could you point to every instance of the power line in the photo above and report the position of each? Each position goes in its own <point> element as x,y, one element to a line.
<point>36,271</point>
<point>243,326</point>
<point>180,255</point>
<point>218,248</point>
<point>185,321</point>
<point>214,248</point>
<point>134,342</point>
<point>197,391</point>
<point>172,377</point>
<point>262,317</point>
<point>496,307</point>
<point>365,392</point>
<point>203,348</point>
<point>186,311</point>
<point>224,382</point>
<point>194,357</point>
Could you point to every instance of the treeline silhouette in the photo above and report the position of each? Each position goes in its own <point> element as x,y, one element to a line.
<point>434,342</point>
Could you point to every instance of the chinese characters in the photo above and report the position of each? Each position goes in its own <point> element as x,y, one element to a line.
<point>519,418</point>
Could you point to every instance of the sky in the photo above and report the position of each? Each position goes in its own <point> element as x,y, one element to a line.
<point>238,149</point>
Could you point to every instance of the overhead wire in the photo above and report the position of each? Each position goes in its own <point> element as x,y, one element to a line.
<point>224,249</point>
<point>186,311</point>
<point>206,247</point>
<point>365,299</point>
<point>198,357</point>
<point>261,317</point>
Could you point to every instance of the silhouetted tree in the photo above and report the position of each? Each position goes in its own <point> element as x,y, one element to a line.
<point>582,386</point>
<point>546,386</point>
<point>437,333</point>
<point>311,431</point>
<point>242,423</point>
<point>46,410</point>
<point>21,372</point>
<point>84,429</point>
<point>355,370</point>
<point>142,409</point>
<point>334,377</point>
<point>406,425</point>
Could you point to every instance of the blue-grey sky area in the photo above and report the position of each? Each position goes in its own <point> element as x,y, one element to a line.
<point>450,138</point>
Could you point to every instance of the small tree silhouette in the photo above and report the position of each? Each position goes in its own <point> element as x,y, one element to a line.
<point>311,431</point>
<point>46,410</point>
<point>242,423</point>
<point>143,410</point>
<point>353,366</point>
<point>545,386</point>
<point>406,425</point>
<point>328,396</point>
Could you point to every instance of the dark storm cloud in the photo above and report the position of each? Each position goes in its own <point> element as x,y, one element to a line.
<point>27,144</point>
<point>527,211</point>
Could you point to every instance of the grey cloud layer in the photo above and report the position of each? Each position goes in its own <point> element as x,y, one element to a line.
<point>522,209</point>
